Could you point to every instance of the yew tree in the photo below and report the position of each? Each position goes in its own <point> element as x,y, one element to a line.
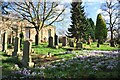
<point>100,30</point>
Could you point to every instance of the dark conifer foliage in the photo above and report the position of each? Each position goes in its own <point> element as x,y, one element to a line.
<point>100,30</point>
<point>79,23</point>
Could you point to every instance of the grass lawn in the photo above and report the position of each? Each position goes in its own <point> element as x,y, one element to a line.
<point>79,64</point>
<point>104,47</point>
<point>43,49</point>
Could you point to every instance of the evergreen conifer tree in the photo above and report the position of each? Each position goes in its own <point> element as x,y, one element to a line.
<point>91,29</point>
<point>79,23</point>
<point>100,30</point>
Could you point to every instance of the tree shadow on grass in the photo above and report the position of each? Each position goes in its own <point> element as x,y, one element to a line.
<point>104,71</point>
<point>12,60</point>
<point>73,68</point>
<point>8,67</point>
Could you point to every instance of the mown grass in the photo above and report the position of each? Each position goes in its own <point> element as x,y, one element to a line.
<point>76,68</point>
<point>103,47</point>
<point>44,49</point>
<point>7,62</point>
<point>0,59</point>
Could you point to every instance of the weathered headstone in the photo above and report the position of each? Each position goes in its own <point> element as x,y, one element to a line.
<point>0,41</point>
<point>64,41</point>
<point>13,40</point>
<point>50,42</point>
<point>79,45</point>
<point>56,40</point>
<point>11,37</point>
<point>49,54</point>
<point>16,47</point>
<point>4,45</point>
<point>21,39</point>
<point>71,44</point>
<point>26,59</point>
<point>9,40</point>
<point>98,45</point>
<point>56,47</point>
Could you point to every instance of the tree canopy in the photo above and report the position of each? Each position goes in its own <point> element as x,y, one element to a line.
<point>110,9</point>
<point>100,30</point>
<point>91,29</point>
<point>39,14</point>
<point>79,27</point>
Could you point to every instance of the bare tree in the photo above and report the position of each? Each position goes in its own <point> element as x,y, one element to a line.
<point>110,9</point>
<point>40,14</point>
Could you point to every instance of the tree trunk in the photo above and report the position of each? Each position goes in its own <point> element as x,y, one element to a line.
<point>77,39</point>
<point>111,30</point>
<point>37,38</point>
<point>88,41</point>
<point>98,44</point>
<point>112,41</point>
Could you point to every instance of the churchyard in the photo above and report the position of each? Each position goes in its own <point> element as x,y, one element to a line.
<point>45,61</point>
<point>52,40</point>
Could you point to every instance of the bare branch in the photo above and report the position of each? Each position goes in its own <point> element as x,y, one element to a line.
<point>38,13</point>
<point>56,18</point>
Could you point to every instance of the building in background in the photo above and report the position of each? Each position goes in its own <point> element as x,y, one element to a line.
<point>15,27</point>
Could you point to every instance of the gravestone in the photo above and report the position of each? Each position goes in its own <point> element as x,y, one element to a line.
<point>13,40</point>
<point>0,41</point>
<point>64,41</point>
<point>50,42</point>
<point>26,59</point>
<point>56,40</point>
<point>71,44</point>
<point>49,54</point>
<point>9,40</point>
<point>16,47</point>
<point>11,36</point>
<point>4,43</point>
<point>79,45</point>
